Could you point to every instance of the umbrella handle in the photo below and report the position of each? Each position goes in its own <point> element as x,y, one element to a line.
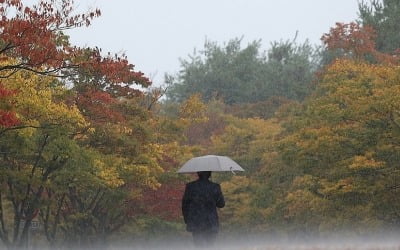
<point>232,171</point>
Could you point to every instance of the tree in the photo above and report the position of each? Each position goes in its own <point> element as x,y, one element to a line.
<point>33,37</point>
<point>372,37</point>
<point>250,142</point>
<point>246,75</point>
<point>290,70</point>
<point>383,17</point>
<point>59,163</point>
<point>47,152</point>
<point>125,163</point>
<point>34,151</point>
<point>342,143</point>
<point>83,212</point>
<point>355,41</point>
<point>245,140</point>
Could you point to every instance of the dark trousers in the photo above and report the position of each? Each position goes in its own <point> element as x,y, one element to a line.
<point>204,238</point>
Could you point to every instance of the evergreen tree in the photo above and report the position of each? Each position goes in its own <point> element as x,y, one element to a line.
<point>245,75</point>
<point>384,17</point>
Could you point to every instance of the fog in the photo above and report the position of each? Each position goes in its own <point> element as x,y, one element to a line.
<point>388,240</point>
<point>260,244</point>
<point>384,241</point>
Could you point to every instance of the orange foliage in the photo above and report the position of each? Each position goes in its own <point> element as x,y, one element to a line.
<point>33,38</point>
<point>97,105</point>
<point>115,69</point>
<point>351,38</point>
<point>32,34</point>
<point>7,117</point>
<point>357,41</point>
<point>164,202</point>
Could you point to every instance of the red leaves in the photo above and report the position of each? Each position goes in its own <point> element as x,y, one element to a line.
<point>33,35</point>
<point>164,202</point>
<point>16,3</point>
<point>116,70</point>
<point>97,105</point>
<point>352,38</point>
<point>357,41</point>
<point>5,92</point>
<point>32,42</point>
<point>8,119</point>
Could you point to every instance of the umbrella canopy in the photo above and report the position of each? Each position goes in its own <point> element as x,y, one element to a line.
<point>214,163</point>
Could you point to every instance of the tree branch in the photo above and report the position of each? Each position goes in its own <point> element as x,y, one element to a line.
<point>27,126</point>
<point>7,47</point>
<point>49,72</point>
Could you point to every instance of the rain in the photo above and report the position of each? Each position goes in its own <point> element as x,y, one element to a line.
<point>233,124</point>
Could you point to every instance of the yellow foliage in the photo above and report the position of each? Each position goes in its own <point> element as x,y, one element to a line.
<point>359,89</point>
<point>35,103</point>
<point>109,174</point>
<point>303,205</point>
<point>365,161</point>
<point>116,171</point>
<point>339,187</point>
<point>247,139</point>
<point>237,199</point>
<point>193,110</point>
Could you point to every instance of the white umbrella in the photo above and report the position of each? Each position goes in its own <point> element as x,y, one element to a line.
<point>214,163</point>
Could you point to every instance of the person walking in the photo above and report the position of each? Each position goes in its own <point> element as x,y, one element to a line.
<point>199,209</point>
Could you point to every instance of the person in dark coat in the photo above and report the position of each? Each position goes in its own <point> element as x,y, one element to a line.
<point>199,208</point>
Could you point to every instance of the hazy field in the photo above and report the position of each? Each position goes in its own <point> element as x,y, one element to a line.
<point>260,243</point>
<point>250,246</point>
<point>387,241</point>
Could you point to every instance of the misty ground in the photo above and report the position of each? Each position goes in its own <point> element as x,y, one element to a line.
<point>385,241</point>
<point>273,246</point>
<point>375,242</point>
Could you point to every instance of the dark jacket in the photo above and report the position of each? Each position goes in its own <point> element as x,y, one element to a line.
<point>199,205</point>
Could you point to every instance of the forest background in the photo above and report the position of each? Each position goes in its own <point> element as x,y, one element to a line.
<point>89,150</point>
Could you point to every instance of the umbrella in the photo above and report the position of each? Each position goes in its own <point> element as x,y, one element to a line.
<point>210,163</point>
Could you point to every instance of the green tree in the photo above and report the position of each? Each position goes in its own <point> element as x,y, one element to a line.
<point>245,75</point>
<point>383,17</point>
<point>34,151</point>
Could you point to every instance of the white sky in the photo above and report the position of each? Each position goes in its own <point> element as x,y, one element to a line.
<point>154,34</point>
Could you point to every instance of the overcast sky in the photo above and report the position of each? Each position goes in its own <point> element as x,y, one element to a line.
<point>154,34</point>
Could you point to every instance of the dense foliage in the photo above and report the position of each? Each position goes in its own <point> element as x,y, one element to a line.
<point>383,17</point>
<point>246,75</point>
<point>90,156</point>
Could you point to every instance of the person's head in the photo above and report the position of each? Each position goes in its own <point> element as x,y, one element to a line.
<point>204,175</point>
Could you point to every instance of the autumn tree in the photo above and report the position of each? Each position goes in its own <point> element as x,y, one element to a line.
<point>46,128</point>
<point>175,142</point>
<point>355,41</point>
<point>33,36</point>
<point>250,142</point>
<point>34,151</point>
<point>342,144</point>
<point>371,37</point>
